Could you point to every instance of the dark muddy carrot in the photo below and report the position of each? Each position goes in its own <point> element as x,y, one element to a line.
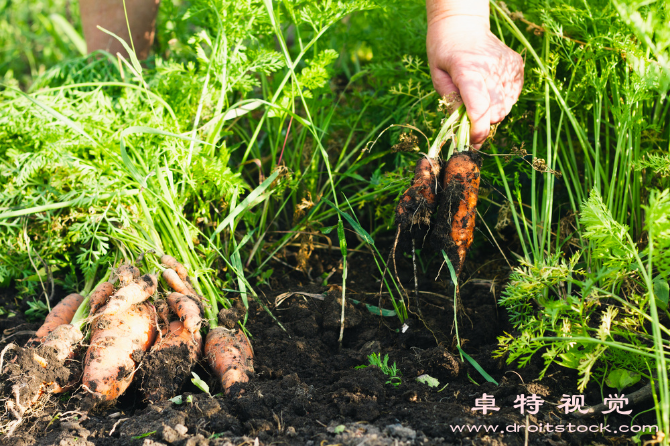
<point>99,296</point>
<point>127,274</point>
<point>461,181</point>
<point>168,365</point>
<point>177,335</point>
<point>419,201</point>
<point>62,339</point>
<point>230,356</point>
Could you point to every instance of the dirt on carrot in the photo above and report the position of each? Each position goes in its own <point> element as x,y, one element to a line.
<point>99,296</point>
<point>126,274</point>
<point>419,201</point>
<point>187,309</point>
<point>131,294</point>
<point>28,373</point>
<point>178,348</point>
<point>455,222</point>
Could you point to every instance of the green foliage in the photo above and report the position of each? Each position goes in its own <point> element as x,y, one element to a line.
<point>609,239</point>
<point>659,164</point>
<point>428,380</point>
<point>620,379</point>
<point>37,310</point>
<point>139,437</point>
<point>375,360</point>
<point>200,384</point>
<point>568,312</point>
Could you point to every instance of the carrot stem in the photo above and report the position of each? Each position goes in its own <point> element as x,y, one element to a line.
<point>446,133</point>
<point>82,312</point>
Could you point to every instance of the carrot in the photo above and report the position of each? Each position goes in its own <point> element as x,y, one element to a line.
<point>461,185</point>
<point>60,314</point>
<point>62,339</point>
<point>43,369</point>
<point>177,334</point>
<point>163,311</point>
<point>230,356</point>
<point>171,262</point>
<point>175,282</point>
<point>187,309</point>
<point>180,269</point>
<point>99,296</point>
<point>131,294</point>
<point>109,365</point>
<point>127,274</point>
<point>419,201</point>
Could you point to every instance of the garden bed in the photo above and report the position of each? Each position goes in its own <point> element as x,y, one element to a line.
<point>307,390</point>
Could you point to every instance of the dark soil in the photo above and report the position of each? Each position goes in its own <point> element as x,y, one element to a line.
<point>308,391</point>
<point>30,371</point>
<point>164,372</point>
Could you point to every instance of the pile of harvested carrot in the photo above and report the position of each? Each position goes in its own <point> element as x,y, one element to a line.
<point>124,332</point>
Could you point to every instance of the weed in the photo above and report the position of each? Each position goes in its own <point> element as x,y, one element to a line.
<point>37,310</point>
<point>145,435</point>
<point>375,360</point>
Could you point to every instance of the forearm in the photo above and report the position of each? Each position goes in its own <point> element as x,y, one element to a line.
<point>441,9</point>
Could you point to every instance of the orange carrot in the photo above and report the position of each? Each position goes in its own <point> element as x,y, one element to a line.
<point>176,335</point>
<point>180,269</point>
<point>109,366</point>
<point>131,294</point>
<point>127,274</point>
<point>171,262</point>
<point>230,356</point>
<point>461,179</point>
<point>99,296</point>
<point>60,314</point>
<point>62,339</point>
<point>419,201</point>
<point>187,309</point>
<point>175,282</point>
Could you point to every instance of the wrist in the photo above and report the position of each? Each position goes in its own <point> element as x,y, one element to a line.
<point>476,11</point>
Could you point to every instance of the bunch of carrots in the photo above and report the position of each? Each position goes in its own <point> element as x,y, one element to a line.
<point>126,321</point>
<point>453,185</point>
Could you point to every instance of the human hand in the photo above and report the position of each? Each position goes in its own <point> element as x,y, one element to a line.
<point>467,59</point>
